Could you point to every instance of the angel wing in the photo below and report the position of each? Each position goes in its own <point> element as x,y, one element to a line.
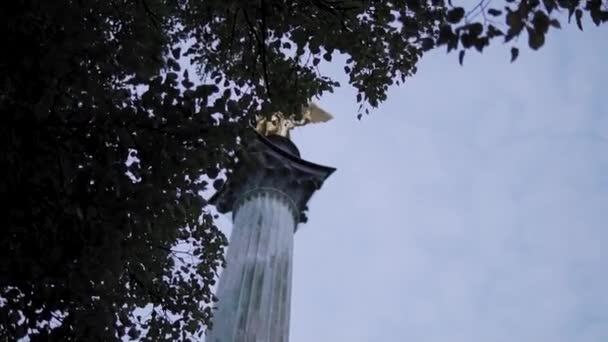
<point>313,114</point>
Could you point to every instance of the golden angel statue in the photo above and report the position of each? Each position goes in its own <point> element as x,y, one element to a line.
<point>281,124</point>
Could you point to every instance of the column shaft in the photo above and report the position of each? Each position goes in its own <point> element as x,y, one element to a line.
<point>255,287</point>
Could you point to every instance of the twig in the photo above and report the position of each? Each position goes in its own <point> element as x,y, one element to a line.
<point>236,13</point>
<point>261,46</point>
<point>482,5</point>
<point>153,16</point>
<point>264,66</point>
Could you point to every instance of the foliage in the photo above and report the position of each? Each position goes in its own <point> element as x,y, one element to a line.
<point>85,244</point>
<point>462,31</point>
<point>272,49</point>
<point>105,136</point>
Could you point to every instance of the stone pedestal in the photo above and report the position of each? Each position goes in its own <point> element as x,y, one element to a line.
<point>267,194</point>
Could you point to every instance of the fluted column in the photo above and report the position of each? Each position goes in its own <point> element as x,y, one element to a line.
<point>255,287</point>
<point>267,193</point>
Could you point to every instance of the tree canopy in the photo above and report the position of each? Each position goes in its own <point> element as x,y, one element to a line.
<point>117,115</point>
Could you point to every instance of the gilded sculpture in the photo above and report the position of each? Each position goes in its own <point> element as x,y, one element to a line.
<point>281,124</point>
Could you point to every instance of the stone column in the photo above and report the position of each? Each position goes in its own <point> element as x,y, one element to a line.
<point>267,194</point>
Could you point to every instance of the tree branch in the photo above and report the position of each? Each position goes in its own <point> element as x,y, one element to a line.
<point>153,16</point>
<point>261,46</point>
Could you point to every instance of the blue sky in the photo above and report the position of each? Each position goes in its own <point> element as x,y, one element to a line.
<point>471,206</point>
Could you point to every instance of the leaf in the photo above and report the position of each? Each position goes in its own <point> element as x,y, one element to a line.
<point>536,39</point>
<point>549,5</point>
<point>427,44</point>
<point>555,23</point>
<point>218,183</point>
<point>579,14</point>
<point>515,22</point>
<point>475,29</point>
<point>480,43</point>
<point>541,22</point>
<point>514,54</point>
<point>494,12</point>
<point>466,40</point>
<point>596,15</point>
<point>176,53</point>
<point>133,333</point>
<point>446,35</point>
<point>460,56</point>
<point>455,15</point>
<point>493,32</point>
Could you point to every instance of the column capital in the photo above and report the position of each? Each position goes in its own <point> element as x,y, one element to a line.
<point>272,162</point>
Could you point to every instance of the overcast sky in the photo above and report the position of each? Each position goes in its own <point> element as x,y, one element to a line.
<point>471,206</point>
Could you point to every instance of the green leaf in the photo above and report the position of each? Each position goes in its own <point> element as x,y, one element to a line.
<point>514,54</point>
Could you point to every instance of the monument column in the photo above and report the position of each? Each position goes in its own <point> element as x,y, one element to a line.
<point>267,194</point>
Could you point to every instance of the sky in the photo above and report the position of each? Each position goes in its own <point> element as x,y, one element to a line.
<point>470,206</point>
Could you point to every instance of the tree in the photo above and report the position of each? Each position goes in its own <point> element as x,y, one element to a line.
<point>106,136</point>
<point>90,237</point>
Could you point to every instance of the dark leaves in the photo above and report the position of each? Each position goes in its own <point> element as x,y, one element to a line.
<point>494,12</point>
<point>579,15</point>
<point>536,39</point>
<point>427,44</point>
<point>515,22</point>
<point>176,53</point>
<point>598,11</point>
<point>541,22</point>
<point>535,16</point>
<point>96,240</point>
<point>455,15</point>
<point>550,5</point>
<point>514,54</point>
<point>218,183</point>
